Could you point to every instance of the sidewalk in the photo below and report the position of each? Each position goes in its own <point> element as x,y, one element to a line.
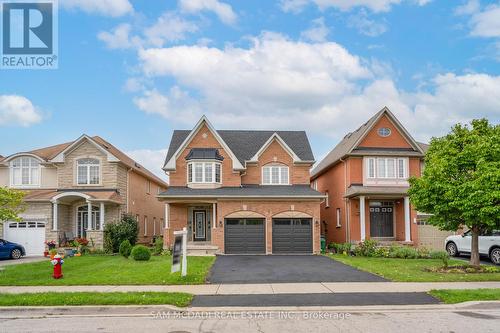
<point>266,289</point>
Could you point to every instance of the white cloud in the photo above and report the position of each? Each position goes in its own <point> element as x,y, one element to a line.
<point>366,26</point>
<point>18,110</point>
<point>119,37</point>
<point>317,32</point>
<point>279,83</point>
<point>112,8</point>
<point>294,6</point>
<point>152,160</point>
<point>486,23</point>
<point>345,5</point>
<point>221,9</point>
<point>468,8</point>
<point>169,27</point>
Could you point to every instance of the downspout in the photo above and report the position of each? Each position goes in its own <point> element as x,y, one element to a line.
<point>346,203</point>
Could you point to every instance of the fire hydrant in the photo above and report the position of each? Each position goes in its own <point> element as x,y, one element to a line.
<point>57,263</point>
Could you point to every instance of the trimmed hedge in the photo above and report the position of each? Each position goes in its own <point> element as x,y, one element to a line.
<point>140,253</point>
<point>125,248</point>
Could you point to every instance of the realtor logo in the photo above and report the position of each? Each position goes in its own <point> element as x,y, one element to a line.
<point>29,34</point>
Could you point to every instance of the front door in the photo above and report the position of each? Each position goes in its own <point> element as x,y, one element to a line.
<point>200,225</point>
<point>382,220</point>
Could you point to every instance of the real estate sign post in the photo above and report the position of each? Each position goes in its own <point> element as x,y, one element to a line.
<point>180,248</point>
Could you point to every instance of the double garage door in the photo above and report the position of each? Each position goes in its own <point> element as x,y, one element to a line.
<point>248,236</point>
<point>31,235</point>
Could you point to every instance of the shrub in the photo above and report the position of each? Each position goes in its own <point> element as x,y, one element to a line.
<point>404,252</point>
<point>125,248</point>
<point>115,233</point>
<point>381,252</point>
<point>84,249</point>
<point>366,248</point>
<point>140,253</point>
<point>423,252</point>
<point>443,255</point>
<point>158,246</point>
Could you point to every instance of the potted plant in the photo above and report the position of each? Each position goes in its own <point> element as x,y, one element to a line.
<point>52,252</point>
<point>51,244</point>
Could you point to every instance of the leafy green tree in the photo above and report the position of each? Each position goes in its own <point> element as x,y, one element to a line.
<point>460,184</point>
<point>11,204</point>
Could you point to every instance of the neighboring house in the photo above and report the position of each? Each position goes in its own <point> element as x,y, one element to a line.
<point>365,178</point>
<point>239,191</point>
<point>75,188</point>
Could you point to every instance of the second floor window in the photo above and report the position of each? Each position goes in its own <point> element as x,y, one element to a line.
<point>88,171</point>
<point>387,168</point>
<point>25,171</point>
<point>275,175</point>
<point>204,172</point>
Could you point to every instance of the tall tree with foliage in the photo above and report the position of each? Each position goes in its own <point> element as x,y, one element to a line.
<point>11,204</point>
<point>460,184</point>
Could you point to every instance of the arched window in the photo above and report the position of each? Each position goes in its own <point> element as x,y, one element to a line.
<point>88,171</point>
<point>25,172</point>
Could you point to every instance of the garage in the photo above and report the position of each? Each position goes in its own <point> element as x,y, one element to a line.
<point>31,235</point>
<point>245,236</point>
<point>292,236</point>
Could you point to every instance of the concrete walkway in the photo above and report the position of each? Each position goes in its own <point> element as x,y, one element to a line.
<point>267,288</point>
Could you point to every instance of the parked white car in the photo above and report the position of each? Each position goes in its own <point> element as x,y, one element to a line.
<point>489,245</point>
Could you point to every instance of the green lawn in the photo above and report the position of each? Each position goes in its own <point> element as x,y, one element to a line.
<point>88,298</point>
<point>106,270</point>
<point>458,296</point>
<point>412,270</point>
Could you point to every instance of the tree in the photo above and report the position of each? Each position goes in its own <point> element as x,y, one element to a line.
<point>11,204</point>
<point>460,184</point>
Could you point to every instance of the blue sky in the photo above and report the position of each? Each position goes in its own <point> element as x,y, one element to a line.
<point>132,71</point>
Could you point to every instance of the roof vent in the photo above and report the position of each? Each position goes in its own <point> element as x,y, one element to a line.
<point>137,165</point>
<point>348,135</point>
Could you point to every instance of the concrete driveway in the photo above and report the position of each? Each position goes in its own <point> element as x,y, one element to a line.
<point>23,260</point>
<point>285,269</point>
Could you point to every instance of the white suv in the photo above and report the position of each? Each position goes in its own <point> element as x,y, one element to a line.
<point>489,244</point>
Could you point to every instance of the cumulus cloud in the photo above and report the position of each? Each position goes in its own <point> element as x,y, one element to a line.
<point>152,160</point>
<point>345,5</point>
<point>221,9</point>
<point>486,23</point>
<point>317,32</point>
<point>18,110</point>
<point>366,26</point>
<point>280,83</point>
<point>112,8</point>
<point>119,37</point>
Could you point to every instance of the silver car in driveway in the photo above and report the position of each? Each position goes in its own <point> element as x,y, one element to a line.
<point>489,244</point>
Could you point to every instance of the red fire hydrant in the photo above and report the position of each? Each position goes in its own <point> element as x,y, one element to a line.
<point>57,263</point>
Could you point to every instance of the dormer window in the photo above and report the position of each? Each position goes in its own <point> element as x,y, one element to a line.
<point>204,172</point>
<point>88,171</point>
<point>276,174</point>
<point>25,172</point>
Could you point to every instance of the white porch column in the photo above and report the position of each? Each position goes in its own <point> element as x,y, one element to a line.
<point>362,218</point>
<point>89,217</point>
<point>407,219</point>
<point>54,216</point>
<point>167,215</point>
<point>214,215</point>
<point>101,216</point>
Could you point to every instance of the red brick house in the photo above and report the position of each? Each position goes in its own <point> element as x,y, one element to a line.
<point>240,191</point>
<point>365,180</point>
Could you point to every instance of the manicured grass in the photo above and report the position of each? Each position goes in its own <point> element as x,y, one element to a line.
<point>458,296</point>
<point>91,298</point>
<point>106,270</point>
<point>412,270</point>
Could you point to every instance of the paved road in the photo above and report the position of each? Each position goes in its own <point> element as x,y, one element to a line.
<point>339,299</point>
<point>285,269</point>
<point>484,318</point>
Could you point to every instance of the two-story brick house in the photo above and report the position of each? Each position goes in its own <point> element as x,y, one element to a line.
<point>365,178</point>
<point>75,188</point>
<point>240,191</point>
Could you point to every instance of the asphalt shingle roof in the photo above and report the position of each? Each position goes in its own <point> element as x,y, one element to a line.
<point>245,190</point>
<point>244,144</point>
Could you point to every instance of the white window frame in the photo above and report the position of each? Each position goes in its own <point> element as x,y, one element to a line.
<point>395,162</point>
<point>279,167</point>
<point>77,165</point>
<point>327,199</point>
<point>32,183</point>
<point>191,167</point>
<point>145,226</point>
<point>339,216</point>
<point>148,186</point>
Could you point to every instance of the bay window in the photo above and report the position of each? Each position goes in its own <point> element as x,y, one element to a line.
<point>25,172</point>
<point>387,167</point>
<point>275,175</point>
<point>88,171</point>
<point>204,172</point>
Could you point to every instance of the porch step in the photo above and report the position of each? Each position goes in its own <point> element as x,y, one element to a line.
<point>202,250</point>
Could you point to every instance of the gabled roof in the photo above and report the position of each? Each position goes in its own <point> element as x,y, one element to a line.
<point>48,154</point>
<point>352,140</point>
<point>245,144</point>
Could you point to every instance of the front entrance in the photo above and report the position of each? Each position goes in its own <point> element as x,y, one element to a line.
<point>82,220</point>
<point>381,219</point>
<point>200,225</point>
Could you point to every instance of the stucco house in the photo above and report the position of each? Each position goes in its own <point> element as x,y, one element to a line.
<point>241,191</point>
<point>74,189</point>
<point>365,179</point>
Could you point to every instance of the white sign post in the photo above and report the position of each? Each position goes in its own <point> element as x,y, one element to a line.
<point>180,248</point>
